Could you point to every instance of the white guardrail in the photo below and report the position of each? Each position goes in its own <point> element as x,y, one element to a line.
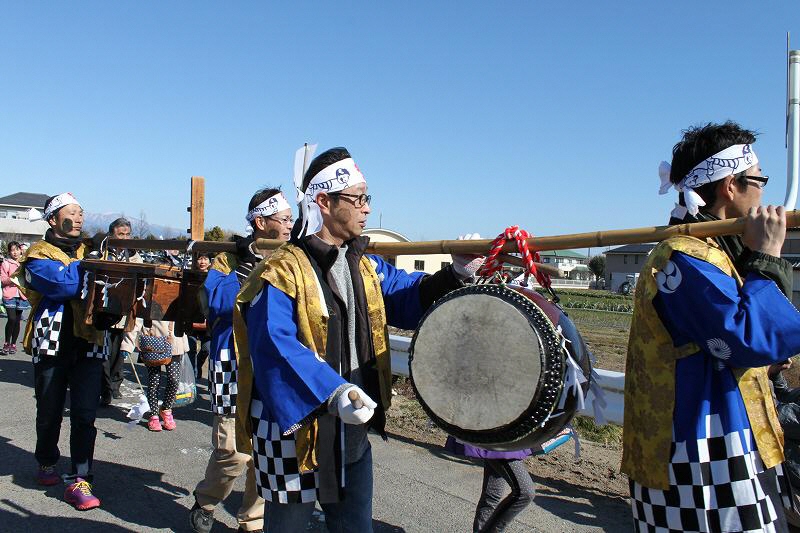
<point>612,383</point>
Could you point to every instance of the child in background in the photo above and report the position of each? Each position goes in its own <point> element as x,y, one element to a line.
<point>495,513</point>
<point>178,346</point>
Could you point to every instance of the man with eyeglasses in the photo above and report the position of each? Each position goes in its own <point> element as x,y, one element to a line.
<point>270,217</point>
<point>315,370</point>
<point>702,446</point>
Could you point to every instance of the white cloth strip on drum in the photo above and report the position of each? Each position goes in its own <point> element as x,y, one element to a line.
<point>141,296</point>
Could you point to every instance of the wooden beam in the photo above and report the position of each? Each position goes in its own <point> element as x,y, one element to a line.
<point>594,239</point>
<point>196,209</point>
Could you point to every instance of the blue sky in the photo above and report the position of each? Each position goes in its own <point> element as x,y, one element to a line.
<point>464,116</point>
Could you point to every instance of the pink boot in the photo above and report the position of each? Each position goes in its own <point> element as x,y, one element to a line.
<point>169,422</point>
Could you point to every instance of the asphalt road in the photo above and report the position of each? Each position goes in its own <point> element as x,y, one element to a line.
<point>145,479</point>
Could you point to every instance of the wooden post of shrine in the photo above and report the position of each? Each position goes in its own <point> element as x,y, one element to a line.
<point>197,204</point>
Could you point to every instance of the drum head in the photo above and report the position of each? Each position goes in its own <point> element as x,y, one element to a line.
<point>486,364</point>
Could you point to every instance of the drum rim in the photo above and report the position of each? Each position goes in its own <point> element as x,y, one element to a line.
<point>548,388</point>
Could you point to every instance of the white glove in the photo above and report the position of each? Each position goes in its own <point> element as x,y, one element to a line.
<point>466,265</point>
<point>357,411</point>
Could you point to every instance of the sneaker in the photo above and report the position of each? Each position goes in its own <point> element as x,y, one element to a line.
<point>47,476</point>
<point>4,350</point>
<point>116,394</point>
<point>153,424</point>
<point>105,400</point>
<point>12,349</point>
<point>80,496</point>
<point>169,422</point>
<point>200,520</point>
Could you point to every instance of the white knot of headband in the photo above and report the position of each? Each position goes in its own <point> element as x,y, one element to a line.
<point>335,177</point>
<point>270,206</point>
<point>65,198</point>
<point>731,160</point>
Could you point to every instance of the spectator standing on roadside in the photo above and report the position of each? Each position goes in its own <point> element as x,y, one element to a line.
<point>112,368</point>
<point>200,333</point>
<point>13,300</point>
<point>142,337</point>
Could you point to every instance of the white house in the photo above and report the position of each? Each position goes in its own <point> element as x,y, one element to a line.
<point>429,263</point>
<point>14,223</point>
<point>573,265</point>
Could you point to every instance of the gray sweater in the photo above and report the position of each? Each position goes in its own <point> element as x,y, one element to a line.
<point>355,436</point>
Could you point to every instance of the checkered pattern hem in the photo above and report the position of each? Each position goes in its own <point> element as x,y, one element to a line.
<point>275,459</point>
<point>100,352</point>
<point>46,332</point>
<point>46,343</point>
<point>223,384</point>
<point>723,491</point>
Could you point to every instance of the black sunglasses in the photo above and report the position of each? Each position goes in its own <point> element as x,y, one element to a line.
<point>760,181</point>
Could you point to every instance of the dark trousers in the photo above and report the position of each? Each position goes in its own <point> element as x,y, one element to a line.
<point>12,324</point>
<point>53,375</point>
<point>112,368</point>
<point>198,358</point>
<point>351,515</point>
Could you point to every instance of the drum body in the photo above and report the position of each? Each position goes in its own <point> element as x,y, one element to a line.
<point>130,290</point>
<point>489,365</point>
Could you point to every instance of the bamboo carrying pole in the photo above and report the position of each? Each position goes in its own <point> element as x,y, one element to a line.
<point>592,239</point>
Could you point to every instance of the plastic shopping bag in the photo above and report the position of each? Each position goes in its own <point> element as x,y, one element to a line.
<point>187,390</point>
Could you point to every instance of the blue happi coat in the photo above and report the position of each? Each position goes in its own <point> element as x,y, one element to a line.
<point>717,479</point>
<point>293,381</point>
<point>52,282</point>
<point>221,286</point>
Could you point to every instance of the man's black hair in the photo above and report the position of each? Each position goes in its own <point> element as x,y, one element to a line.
<point>701,142</point>
<point>121,222</point>
<point>325,159</point>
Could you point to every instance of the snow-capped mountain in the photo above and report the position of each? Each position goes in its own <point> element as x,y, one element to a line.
<point>140,227</point>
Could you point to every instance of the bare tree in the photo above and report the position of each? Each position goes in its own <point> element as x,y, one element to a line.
<point>141,227</point>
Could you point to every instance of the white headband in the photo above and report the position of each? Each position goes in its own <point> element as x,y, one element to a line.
<point>270,206</point>
<point>65,198</point>
<point>333,178</point>
<point>731,160</point>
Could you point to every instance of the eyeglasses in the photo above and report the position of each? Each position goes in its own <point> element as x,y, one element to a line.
<point>359,201</point>
<point>286,221</point>
<point>760,181</point>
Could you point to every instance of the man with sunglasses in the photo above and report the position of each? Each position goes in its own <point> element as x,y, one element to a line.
<point>270,217</point>
<point>702,445</point>
<point>315,370</point>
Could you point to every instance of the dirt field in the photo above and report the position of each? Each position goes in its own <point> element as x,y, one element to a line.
<point>606,334</point>
<point>596,471</point>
